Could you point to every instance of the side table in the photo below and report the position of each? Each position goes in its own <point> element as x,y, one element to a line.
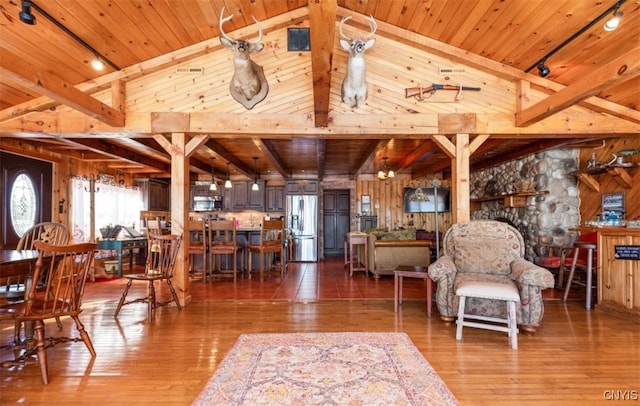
<point>351,241</point>
<point>405,271</point>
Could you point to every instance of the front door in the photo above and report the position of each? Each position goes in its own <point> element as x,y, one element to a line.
<point>25,196</point>
<point>336,218</point>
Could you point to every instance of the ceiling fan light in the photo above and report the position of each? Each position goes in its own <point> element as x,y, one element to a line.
<point>614,21</point>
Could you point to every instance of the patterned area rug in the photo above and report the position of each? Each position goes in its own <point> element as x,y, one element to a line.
<point>325,369</point>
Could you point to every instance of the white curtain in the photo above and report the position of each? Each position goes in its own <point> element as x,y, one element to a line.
<point>114,204</point>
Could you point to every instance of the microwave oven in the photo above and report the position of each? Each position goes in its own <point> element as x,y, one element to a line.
<point>206,203</point>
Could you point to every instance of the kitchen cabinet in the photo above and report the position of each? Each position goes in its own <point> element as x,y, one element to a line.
<point>156,194</point>
<point>243,198</point>
<point>275,199</point>
<point>302,187</point>
<point>618,279</point>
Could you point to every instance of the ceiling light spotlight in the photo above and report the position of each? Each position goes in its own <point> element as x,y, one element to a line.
<point>97,64</point>
<point>543,70</point>
<point>614,21</point>
<point>25,15</point>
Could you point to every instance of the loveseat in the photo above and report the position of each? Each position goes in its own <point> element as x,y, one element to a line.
<point>389,249</point>
<point>487,250</point>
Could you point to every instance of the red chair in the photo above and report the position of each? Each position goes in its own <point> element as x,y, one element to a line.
<point>559,258</point>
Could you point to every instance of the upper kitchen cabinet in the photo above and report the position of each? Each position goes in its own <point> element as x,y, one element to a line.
<point>275,199</point>
<point>301,187</point>
<point>243,198</point>
<point>156,194</point>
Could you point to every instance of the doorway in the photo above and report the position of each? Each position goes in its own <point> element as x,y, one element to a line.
<point>25,195</point>
<point>336,220</point>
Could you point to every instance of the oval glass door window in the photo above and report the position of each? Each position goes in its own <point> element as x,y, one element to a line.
<point>23,203</point>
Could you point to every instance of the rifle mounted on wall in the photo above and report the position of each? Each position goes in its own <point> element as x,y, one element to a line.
<point>421,93</point>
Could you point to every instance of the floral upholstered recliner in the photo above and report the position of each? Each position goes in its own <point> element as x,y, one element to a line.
<point>487,250</point>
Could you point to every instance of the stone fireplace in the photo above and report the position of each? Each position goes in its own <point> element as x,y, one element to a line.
<point>545,218</point>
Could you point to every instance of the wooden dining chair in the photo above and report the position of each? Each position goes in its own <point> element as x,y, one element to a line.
<point>57,290</point>
<point>13,288</point>
<point>271,244</point>
<point>197,231</point>
<point>222,244</point>
<point>160,265</point>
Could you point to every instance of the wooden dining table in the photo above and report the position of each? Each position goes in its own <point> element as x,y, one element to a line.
<point>17,262</point>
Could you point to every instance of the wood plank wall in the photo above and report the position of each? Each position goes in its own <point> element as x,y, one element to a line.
<point>590,200</point>
<point>388,196</point>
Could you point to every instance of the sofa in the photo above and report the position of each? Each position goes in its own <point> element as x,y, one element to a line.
<point>389,249</point>
<point>489,251</point>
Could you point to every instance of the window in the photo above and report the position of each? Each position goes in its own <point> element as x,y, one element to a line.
<point>114,205</point>
<point>298,39</point>
<point>23,204</point>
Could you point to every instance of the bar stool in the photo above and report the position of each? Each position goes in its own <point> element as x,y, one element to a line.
<point>579,261</point>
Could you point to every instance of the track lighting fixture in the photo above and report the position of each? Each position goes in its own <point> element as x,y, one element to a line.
<point>213,186</point>
<point>227,183</point>
<point>386,172</point>
<point>25,15</point>
<point>614,21</point>
<point>255,187</point>
<point>543,70</point>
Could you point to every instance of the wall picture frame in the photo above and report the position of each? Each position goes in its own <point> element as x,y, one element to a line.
<point>365,204</point>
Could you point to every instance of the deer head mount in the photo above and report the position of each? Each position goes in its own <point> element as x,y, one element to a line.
<point>354,85</point>
<point>248,85</point>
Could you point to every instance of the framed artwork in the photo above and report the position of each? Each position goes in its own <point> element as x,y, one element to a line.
<point>365,204</point>
<point>613,202</point>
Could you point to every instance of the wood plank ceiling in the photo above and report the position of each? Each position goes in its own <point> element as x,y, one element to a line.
<point>496,42</point>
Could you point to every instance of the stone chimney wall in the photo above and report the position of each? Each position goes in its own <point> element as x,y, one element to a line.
<point>546,218</point>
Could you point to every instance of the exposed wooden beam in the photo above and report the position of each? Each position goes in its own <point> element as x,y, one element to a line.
<point>271,154</point>
<point>108,149</point>
<point>230,158</point>
<point>621,69</point>
<point>369,152</point>
<point>322,20</point>
<point>50,84</point>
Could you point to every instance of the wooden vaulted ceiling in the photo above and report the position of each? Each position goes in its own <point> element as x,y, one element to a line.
<point>51,98</point>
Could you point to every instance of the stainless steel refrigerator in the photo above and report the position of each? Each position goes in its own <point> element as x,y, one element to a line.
<point>302,221</point>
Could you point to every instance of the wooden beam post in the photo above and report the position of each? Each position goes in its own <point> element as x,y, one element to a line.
<point>179,215</point>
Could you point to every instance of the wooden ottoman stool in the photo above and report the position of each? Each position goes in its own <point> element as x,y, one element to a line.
<point>489,290</point>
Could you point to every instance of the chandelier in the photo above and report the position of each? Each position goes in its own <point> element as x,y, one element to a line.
<point>386,172</point>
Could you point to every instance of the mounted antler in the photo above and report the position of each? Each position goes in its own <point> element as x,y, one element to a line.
<point>248,85</point>
<point>354,85</point>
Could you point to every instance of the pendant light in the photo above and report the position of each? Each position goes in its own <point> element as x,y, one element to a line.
<point>255,187</point>
<point>227,183</point>
<point>614,21</point>
<point>213,186</point>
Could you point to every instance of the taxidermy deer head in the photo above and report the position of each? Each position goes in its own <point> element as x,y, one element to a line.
<point>248,85</point>
<point>354,85</point>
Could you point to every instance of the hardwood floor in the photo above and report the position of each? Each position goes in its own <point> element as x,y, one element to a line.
<point>575,358</point>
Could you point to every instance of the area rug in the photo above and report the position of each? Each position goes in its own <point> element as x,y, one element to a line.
<point>325,369</point>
